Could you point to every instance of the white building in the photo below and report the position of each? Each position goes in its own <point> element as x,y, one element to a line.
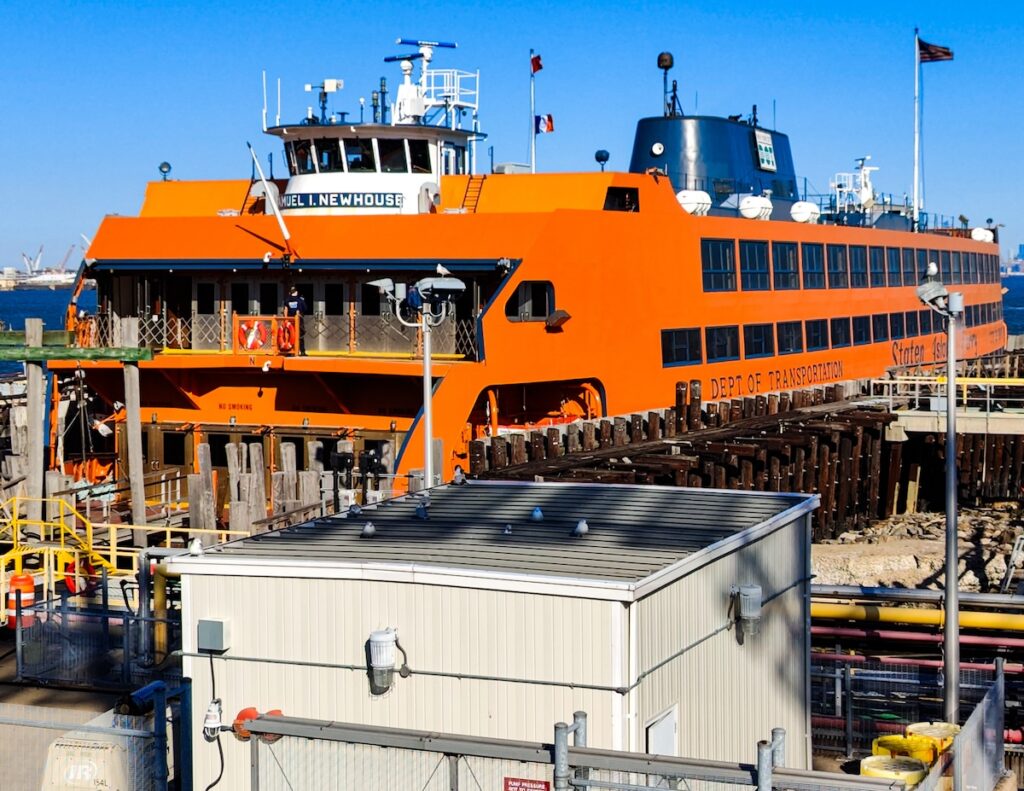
<point>631,617</point>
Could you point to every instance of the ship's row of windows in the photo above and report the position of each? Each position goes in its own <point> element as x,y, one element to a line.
<point>764,266</point>
<point>357,155</point>
<point>687,346</point>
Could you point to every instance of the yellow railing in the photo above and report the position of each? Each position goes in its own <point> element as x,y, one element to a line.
<point>68,536</point>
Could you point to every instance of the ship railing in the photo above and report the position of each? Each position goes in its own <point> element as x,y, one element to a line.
<point>323,334</point>
<point>990,396</point>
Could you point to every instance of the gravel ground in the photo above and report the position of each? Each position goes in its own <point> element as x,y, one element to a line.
<point>909,550</point>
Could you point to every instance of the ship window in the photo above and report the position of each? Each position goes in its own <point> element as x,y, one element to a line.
<point>817,334</point>
<point>909,277</point>
<point>970,315</point>
<point>955,276</point>
<point>970,272</point>
<point>861,330</point>
<point>240,298</point>
<point>895,275</point>
<point>723,343</point>
<point>880,326</point>
<point>814,266</point>
<point>328,154</point>
<point>206,299</point>
<point>786,265</point>
<point>754,266</point>
<point>896,326</point>
<point>303,157</point>
<point>791,337</point>
<point>370,302</point>
<point>718,261</point>
<point>334,299</point>
<point>944,264</point>
<point>680,347</point>
<point>533,300</point>
<point>300,452</point>
<point>174,448</point>
<point>419,156</point>
<point>392,156</point>
<point>924,320</point>
<point>924,256</point>
<point>858,267</point>
<point>840,332</point>
<point>758,340</point>
<point>911,323</point>
<point>958,273</point>
<point>838,270</point>
<point>622,199</point>
<point>877,259</point>
<point>359,155</point>
<point>218,449</point>
<point>268,299</point>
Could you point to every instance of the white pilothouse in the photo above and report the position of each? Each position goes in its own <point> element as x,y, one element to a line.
<point>392,164</point>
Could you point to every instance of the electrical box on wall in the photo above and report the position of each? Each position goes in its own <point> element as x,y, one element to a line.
<point>212,636</point>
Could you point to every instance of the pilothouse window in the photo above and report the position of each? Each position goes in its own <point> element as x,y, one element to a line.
<point>392,156</point>
<point>359,154</point>
<point>533,300</point>
<point>419,156</point>
<point>300,157</point>
<point>328,155</point>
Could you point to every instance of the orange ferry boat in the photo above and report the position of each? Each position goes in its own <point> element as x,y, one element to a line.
<point>586,294</point>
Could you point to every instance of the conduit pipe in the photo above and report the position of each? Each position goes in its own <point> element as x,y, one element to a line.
<point>914,595</point>
<point>1010,735</point>
<point>914,637</point>
<point>875,614</point>
<point>1014,668</point>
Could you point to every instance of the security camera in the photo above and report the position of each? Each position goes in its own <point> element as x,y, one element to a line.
<point>385,284</point>
<point>437,290</point>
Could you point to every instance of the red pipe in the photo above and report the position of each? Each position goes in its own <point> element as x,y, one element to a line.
<point>1014,668</point>
<point>1010,735</point>
<point>923,637</point>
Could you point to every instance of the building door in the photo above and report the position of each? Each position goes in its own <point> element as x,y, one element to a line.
<point>661,740</point>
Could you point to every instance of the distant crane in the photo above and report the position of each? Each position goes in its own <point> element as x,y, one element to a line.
<point>64,261</point>
<point>32,264</point>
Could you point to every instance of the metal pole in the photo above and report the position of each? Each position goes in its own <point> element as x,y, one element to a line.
<point>133,423</point>
<point>184,740</point>
<point>848,694</point>
<point>254,764</point>
<point>561,773</point>
<point>533,120</point>
<point>428,394</point>
<point>19,648</point>
<point>917,129</point>
<point>579,739</point>
<point>160,735</point>
<point>778,746</point>
<point>951,629</point>
<point>764,766</point>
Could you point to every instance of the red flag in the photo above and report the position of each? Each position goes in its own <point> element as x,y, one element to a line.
<point>536,65</point>
<point>932,52</point>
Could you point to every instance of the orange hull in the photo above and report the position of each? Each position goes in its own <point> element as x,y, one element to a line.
<point>621,277</point>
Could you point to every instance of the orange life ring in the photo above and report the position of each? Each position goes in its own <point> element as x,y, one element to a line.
<point>89,576</point>
<point>252,334</point>
<point>285,341</point>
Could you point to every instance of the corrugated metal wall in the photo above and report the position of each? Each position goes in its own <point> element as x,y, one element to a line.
<point>729,696</point>
<point>449,629</point>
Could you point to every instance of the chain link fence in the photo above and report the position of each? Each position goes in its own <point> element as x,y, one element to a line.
<point>62,643</point>
<point>853,700</point>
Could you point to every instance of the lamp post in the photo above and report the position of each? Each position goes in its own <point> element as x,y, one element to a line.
<point>951,307</point>
<point>431,298</point>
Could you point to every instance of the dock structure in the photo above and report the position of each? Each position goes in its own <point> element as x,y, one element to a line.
<point>870,448</point>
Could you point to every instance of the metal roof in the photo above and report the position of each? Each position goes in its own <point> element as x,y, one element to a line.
<point>633,531</point>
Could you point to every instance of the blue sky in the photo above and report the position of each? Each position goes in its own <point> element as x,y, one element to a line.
<point>97,94</point>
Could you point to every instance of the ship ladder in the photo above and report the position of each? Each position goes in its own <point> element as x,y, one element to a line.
<point>474,187</point>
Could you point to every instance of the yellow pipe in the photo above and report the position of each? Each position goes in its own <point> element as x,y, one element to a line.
<point>969,619</point>
<point>160,613</point>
